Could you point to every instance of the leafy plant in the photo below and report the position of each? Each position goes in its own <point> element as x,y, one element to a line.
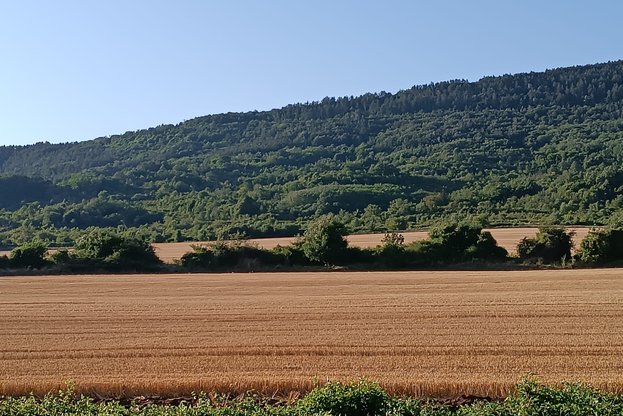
<point>29,255</point>
<point>602,246</point>
<point>5,262</point>
<point>324,240</point>
<point>117,250</point>
<point>392,250</point>
<point>357,399</point>
<point>456,242</point>
<point>551,244</point>
<point>361,398</point>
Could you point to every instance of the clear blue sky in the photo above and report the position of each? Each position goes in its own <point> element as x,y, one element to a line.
<point>80,69</point>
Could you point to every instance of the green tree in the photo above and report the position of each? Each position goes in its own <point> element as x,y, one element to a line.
<point>116,249</point>
<point>551,244</point>
<point>324,240</point>
<point>486,248</point>
<point>602,246</point>
<point>454,239</point>
<point>456,242</point>
<point>392,250</point>
<point>29,255</point>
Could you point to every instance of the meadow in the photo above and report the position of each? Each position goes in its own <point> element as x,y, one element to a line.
<point>423,333</point>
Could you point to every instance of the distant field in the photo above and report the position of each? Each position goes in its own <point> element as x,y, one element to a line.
<point>441,333</point>
<point>506,237</point>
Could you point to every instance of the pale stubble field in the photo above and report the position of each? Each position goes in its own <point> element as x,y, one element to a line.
<point>438,333</point>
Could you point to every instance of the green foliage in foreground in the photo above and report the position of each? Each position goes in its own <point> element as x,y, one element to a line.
<point>357,399</point>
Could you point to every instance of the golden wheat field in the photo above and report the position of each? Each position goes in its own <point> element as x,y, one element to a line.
<point>506,237</point>
<point>439,333</point>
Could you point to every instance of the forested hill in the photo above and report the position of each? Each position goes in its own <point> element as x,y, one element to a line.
<point>528,148</point>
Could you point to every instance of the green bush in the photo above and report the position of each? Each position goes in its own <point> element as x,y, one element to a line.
<point>29,255</point>
<point>456,242</point>
<point>356,399</point>
<point>324,240</point>
<point>109,249</point>
<point>486,248</point>
<point>551,245</point>
<point>5,262</point>
<point>532,398</point>
<point>222,255</point>
<point>358,256</point>
<point>245,255</point>
<point>392,250</point>
<point>200,258</point>
<point>292,254</point>
<point>61,257</point>
<point>602,246</point>
<point>335,399</point>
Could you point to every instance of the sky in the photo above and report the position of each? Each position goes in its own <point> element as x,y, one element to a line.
<point>79,69</point>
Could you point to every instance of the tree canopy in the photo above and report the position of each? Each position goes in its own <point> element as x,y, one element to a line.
<point>542,148</point>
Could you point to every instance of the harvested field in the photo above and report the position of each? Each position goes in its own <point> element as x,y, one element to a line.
<point>506,237</point>
<point>434,333</point>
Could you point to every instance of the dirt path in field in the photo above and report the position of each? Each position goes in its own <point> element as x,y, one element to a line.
<point>441,333</point>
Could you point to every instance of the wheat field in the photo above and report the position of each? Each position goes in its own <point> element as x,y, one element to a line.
<point>438,333</point>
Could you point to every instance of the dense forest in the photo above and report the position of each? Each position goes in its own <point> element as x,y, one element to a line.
<point>533,148</point>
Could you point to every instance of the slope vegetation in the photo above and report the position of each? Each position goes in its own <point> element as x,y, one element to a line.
<point>516,149</point>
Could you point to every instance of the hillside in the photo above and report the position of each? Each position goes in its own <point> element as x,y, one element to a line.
<point>527,148</point>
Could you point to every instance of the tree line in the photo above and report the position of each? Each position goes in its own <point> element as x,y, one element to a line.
<point>324,244</point>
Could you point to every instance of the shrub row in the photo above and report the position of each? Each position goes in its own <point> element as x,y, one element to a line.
<point>357,399</point>
<point>324,244</point>
<point>97,250</point>
<point>553,245</point>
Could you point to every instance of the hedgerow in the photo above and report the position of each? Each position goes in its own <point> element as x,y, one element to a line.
<point>362,398</point>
